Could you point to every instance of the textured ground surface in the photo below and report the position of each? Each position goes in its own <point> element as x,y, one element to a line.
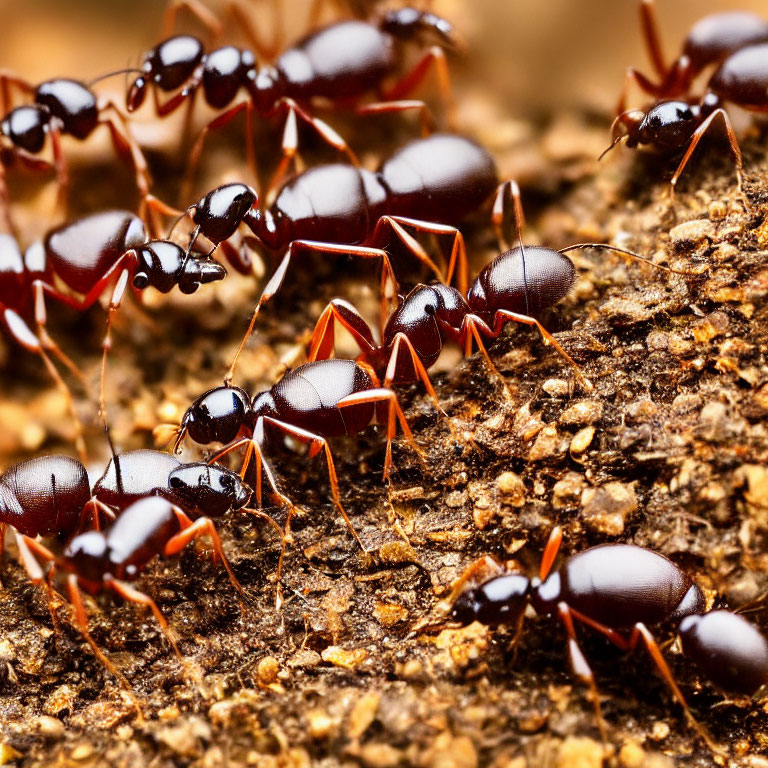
<point>668,450</point>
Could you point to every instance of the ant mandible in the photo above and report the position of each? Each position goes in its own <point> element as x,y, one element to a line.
<point>620,590</point>
<point>163,505</point>
<point>339,63</point>
<point>315,401</point>
<point>86,255</point>
<point>64,107</point>
<point>515,287</point>
<point>736,42</point>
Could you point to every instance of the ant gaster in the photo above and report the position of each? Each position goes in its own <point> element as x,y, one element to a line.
<point>315,401</point>
<point>63,106</point>
<point>620,590</point>
<point>339,63</point>
<point>85,256</point>
<point>736,44</point>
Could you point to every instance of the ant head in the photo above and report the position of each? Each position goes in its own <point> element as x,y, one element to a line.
<point>216,416</point>
<point>211,489</point>
<point>219,213</point>
<point>27,127</point>
<point>501,600</point>
<point>163,264</point>
<point>667,125</point>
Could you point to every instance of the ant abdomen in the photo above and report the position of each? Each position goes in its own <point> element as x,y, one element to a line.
<point>44,496</point>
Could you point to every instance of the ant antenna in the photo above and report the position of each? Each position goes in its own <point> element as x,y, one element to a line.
<point>180,438</point>
<point>115,460</point>
<point>612,144</point>
<point>519,224</point>
<point>623,251</point>
<point>126,71</point>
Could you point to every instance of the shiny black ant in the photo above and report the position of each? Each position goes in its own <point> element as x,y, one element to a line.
<point>332,208</point>
<point>156,505</point>
<point>736,43</point>
<point>315,401</point>
<point>620,590</point>
<point>65,107</point>
<point>339,63</point>
<point>85,256</point>
<point>517,286</point>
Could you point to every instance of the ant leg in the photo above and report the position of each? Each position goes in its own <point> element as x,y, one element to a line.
<point>318,443</point>
<point>550,552</point>
<point>339,311</point>
<point>154,206</point>
<point>215,124</point>
<point>203,526</point>
<point>6,223</point>
<point>426,118</point>
<point>458,258</point>
<point>434,57</point>
<point>114,304</point>
<point>641,632</point>
<point>419,370</point>
<point>41,319</point>
<point>95,509</point>
<point>394,414</point>
<point>81,619</point>
<point>203,14</point>
<point>126,146</point>
<point>471,328</point>
<point>508,195</point>
<point>274,283</point>
<point>651,35</point>
<point>290,137</point>
<point>697,134</point>
<point>243,22</point>
<point>503,316</point>
<point>62,171</point>
<point>21,333</point>
<point>127,592</point>
<point>580,665</point>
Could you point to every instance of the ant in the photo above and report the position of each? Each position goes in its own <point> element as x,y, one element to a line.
<point>62,106</point>
<point>162,504</point>
<point>339,63</point>
<point>736,43</point>
<point>315,401</point>
<point>620,590</point>
<point>434,180</point>
<point>515,287</point>
<point>86,255</point>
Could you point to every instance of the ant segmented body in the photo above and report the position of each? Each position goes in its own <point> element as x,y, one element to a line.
<point>515,287</point>
<point>315,401</point>
<point>162,504</point>
<point>65,107</point>
<point>423,186</point>
<point>734,42</point>
<point>340,63</point>
<point>620,590</point>
<point>85,256</point>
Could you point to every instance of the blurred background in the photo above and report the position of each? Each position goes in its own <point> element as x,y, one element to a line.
<point>536,54</point>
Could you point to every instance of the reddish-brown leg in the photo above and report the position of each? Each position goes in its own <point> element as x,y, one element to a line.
<point>340,311</point>
<point>426,118</point>
<point>81,619</point>
<point>394,414</point>
<point>433,58</point>
<point>550,552</point>
<point>580,665</point>
<point>697,134</point>
<point>24,336</point>
<point>218,122</point>
<point>471,333</point>
<point>277,278</point>
<point>8,80</point>
<point>651,36</point>
<point>203,526</point>
<point>458,257</point>
<point>508,199</point>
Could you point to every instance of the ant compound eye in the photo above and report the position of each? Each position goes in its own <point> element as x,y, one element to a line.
<point>140,280</point>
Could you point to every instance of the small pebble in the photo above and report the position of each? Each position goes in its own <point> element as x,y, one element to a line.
<point>691,232</point>
<point>607,508</point>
